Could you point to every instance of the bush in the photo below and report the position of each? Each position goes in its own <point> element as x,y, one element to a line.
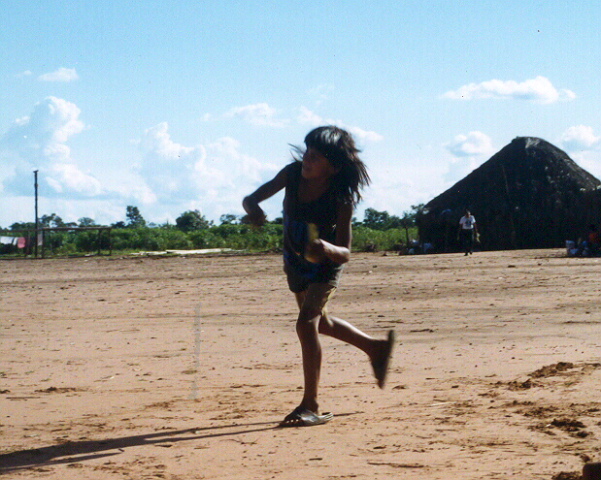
<point>366,239</point>
<point>234,236</point>
<point>239,237</point>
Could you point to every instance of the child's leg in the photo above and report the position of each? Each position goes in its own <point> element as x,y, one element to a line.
<point>378,351</point>
<point>319,294</point>
<point>313,319</point>
<point>311,303</point>
<point>348,333</point>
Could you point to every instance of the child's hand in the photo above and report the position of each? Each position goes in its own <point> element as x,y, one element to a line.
<point>254,213</point>
<point>257,219</point>
<point>315,251</point>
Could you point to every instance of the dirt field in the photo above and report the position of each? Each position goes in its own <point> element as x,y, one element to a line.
<point>181,368</point>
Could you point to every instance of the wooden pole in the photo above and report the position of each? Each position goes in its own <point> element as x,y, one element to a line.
<point>35,177</point>
<point>513,234</point>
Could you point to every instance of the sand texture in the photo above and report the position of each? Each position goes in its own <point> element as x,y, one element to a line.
<point>180,368</point>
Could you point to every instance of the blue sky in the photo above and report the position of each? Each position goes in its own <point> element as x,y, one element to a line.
<point>183,105</point>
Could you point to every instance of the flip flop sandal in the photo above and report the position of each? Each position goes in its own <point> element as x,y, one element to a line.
<point>303,417</point>
<point>381,365</point>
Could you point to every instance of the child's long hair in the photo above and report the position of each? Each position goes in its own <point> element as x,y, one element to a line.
<point>338,146</point>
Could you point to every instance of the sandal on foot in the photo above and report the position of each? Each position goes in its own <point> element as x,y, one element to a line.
<point>380,365</point>
<point>303,417</point>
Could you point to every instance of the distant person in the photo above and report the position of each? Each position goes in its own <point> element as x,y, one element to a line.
<point>594,240</point>
<point>468,230</point>
<point>322,186</point>
<point>590,247</point>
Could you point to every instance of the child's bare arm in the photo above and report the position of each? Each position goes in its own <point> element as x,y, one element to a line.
<point>251,202</point>
<point>340,251</point>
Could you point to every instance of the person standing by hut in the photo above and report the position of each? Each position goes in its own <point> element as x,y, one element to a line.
<point>468,231</point>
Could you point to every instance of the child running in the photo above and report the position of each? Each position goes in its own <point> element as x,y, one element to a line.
<point>322,186</point>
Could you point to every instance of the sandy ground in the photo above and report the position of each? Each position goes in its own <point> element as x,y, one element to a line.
<point>181,368</point>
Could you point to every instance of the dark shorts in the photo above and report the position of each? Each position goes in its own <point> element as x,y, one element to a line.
<point>315,298</point>
<point>297,282</point>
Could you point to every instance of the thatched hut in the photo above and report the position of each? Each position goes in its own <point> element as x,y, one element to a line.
<point>530,194</point>
<point>593,208</point>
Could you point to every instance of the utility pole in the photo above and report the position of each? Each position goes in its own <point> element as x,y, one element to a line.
<point>35,177</point>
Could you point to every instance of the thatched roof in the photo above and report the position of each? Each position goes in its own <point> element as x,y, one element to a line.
<point>530,194</point>
<point>593,207</point>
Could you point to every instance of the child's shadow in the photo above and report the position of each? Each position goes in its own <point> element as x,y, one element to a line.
<point>74,452</point>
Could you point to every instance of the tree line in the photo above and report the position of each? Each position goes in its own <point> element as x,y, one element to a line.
<point>379,230</point>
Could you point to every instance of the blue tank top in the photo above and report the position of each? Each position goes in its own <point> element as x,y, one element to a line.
<point>297,216</point>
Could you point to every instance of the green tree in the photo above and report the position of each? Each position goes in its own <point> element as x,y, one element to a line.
<point>21,226</point>
<point>86,222</point>
<point>134,217</point>
<point>418,209</point>
<point>192,220</point>
<point>407,221</point>
<point>228,219</point>
<point>166,226</point>
<point>52,220</point>
<point>380,220</point>
<point>374,219</point>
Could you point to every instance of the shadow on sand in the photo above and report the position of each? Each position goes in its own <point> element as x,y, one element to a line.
<point>76,452</point>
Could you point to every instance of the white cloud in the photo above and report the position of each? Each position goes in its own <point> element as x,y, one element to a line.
<point>580,138</point>
<point>472,144</point>
<point>129,187</point>
<point>394,185</point>
<point>259,114</point>
<point>584,147</point>
<point>41,136</point>
<point>538,90</point>
<point>157,142</point>
<point>470,151</point>
<point>321,93</point>
<point>308,117</point>
<point>209,178</point>
<point>60,75</point>
<point>362,135</point>
<point>225,153</point>
<point>39,142</point>
<point>68,178</point>
<point>26,73</point>
<point>169,167</point>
